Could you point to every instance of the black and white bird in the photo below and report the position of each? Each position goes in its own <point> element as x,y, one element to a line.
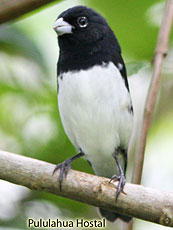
<point>93,95</point>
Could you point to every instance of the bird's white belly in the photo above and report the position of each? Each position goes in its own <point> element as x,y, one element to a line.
<point>93,108</point>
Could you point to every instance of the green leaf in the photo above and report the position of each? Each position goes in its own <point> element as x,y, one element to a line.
<point>15,42</point>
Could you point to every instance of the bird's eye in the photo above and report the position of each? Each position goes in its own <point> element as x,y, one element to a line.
<point>82,21</point>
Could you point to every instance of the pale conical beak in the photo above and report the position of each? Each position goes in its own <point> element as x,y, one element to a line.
<point>62,27</point>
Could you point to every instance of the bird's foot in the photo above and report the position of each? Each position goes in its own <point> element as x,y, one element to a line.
<point>121,183</point>
<point>64,168</point>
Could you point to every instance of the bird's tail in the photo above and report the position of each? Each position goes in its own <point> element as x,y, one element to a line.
<point>112,216</point>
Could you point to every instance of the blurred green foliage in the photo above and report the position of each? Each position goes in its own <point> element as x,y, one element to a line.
<point>29,118</point>
<point>15,42</point>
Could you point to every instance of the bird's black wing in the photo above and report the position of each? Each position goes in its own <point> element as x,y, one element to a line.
<point>119,63</point>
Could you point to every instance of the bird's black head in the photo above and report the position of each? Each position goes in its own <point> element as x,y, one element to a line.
<point>85,39</point>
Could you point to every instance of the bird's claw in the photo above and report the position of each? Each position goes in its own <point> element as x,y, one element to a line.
<point>64,168</point>
<point>121,183</point>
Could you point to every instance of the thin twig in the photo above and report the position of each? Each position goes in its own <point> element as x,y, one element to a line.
<point>12,9</point>
<point>138,201</point>
<point>160,52</point>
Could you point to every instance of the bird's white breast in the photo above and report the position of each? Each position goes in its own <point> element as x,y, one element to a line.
<point>93,106</point>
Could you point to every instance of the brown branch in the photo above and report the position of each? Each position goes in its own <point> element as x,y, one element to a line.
<point>160,52</point>
<point>144,203</point>
<point>12,9</point>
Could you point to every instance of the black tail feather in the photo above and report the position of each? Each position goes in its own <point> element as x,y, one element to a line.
<point>112,216</point>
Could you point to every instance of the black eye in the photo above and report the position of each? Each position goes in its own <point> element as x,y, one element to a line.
<point>82,21</point>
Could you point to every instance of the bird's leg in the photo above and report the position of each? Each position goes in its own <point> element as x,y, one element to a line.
<point>65,166</point>
<point>120,177</point>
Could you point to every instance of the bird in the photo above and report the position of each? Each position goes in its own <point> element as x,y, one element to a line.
<point>94,99</point>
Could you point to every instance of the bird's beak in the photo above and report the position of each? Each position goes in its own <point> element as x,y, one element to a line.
<point>62,27</point>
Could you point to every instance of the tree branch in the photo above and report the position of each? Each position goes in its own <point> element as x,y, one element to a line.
<point>10,10</point>
<point>144,203</point>
<point>160,52</point>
